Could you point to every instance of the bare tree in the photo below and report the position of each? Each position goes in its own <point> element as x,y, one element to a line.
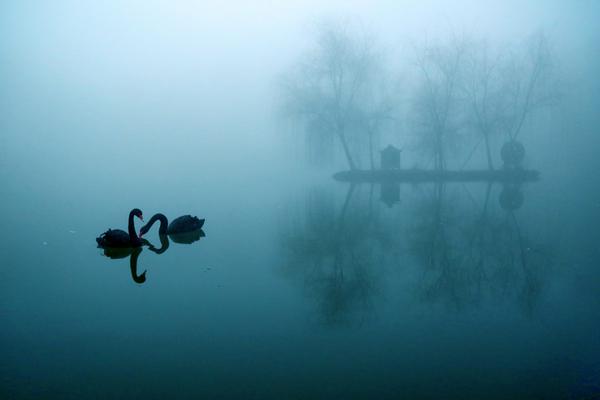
<point>437,102</point>
<point>375,112</point>
<point>530,83</point>
<point>328,88</point>
<point>485,93</point>
<point>503,88</point>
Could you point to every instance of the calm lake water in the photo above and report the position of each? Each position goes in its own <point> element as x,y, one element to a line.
<point>300,289</point>
<point>303,287</point>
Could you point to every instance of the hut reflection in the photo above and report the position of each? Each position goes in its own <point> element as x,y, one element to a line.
<point>390,193</point>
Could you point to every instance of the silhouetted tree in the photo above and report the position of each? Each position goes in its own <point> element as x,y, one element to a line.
<point>437,102</point>
<point>377,110</point>
<point>530,83</point>
<point>485,93</point>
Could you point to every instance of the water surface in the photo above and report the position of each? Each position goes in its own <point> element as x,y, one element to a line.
<point>302,289</point>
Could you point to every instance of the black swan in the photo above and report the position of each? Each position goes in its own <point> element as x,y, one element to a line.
<point>183,224</point>
<point>119,238</point>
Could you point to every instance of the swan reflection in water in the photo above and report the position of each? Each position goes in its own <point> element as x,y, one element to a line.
<point>133,253</point>
<point>193,234</point>
<point>181,238</point>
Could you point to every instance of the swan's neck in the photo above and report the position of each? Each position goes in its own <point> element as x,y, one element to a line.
<point>164,223</point>
<point>131,228</point>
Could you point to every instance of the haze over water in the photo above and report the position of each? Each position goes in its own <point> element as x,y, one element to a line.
<point>304,286</point>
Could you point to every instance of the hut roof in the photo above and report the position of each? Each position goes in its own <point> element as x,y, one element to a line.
<point>390,149</point>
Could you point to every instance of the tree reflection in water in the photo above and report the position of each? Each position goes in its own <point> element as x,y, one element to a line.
<point>332,251</point>
<point>475,252</point>
<point>467,248</point>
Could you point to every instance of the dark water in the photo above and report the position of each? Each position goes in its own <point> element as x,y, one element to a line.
<point>304,289</point>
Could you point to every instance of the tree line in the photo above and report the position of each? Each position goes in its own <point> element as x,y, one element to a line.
<point>462,92</point>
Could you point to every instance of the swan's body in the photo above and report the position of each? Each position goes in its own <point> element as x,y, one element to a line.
<point>117,238</point>
<point>183,224</point>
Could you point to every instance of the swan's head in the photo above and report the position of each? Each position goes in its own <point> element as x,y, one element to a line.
<point>138,213</point>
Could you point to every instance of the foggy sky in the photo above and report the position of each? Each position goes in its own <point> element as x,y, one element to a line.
<point>128,83</point>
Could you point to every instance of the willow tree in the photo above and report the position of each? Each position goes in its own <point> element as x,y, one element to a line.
<point>327,88</point>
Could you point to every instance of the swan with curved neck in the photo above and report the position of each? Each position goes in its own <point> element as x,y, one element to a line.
<point>120,238</point>
<point>183,224</point>
<point>162,228</point>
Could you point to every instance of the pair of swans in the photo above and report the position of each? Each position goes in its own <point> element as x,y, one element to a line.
<point>117,238</point>
<point>120,244</point>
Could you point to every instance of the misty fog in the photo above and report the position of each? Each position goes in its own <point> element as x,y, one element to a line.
<point>400,198</point>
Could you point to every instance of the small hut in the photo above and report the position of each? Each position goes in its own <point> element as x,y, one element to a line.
<point>390,193</point>
<point>390,157</point>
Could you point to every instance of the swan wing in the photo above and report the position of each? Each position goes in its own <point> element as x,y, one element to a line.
<point>114,238</point>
